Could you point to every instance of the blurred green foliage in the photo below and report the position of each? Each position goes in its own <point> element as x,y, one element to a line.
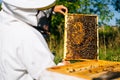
<point>118,22</point>
<point>109,43</point>
<point>107,35</point>
<point>116,5</point>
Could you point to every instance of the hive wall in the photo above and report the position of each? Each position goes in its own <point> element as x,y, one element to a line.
<point>80,40</point>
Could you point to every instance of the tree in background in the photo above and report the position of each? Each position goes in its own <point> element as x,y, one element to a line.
<point>116,5</point>
<point>99,7</point>
<point>118,22</point>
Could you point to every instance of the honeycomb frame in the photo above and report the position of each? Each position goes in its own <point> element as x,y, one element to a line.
<point>81,37</point>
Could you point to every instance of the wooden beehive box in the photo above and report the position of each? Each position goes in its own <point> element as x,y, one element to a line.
<point>90,69</point>
<point>81,37</point>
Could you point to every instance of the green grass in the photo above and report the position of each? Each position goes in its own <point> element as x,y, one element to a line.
<point>110,54</point>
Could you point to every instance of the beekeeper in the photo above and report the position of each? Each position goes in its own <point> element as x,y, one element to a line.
<point>24,54</point>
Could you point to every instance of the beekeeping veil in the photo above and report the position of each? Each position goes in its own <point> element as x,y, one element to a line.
<point>26,10</point>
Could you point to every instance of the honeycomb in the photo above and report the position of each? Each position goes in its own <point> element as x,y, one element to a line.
<point>90,69</point>
<point>80,40</point>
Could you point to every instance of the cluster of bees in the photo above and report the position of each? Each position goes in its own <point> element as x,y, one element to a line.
<point>91,69</point>
<point>95,69</point>
<point>99,71</point>
<point>81,35</point>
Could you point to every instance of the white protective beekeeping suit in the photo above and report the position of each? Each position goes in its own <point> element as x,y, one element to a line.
<point>24,54</point>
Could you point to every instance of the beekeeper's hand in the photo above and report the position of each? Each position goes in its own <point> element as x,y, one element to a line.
<point>61,9</point>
